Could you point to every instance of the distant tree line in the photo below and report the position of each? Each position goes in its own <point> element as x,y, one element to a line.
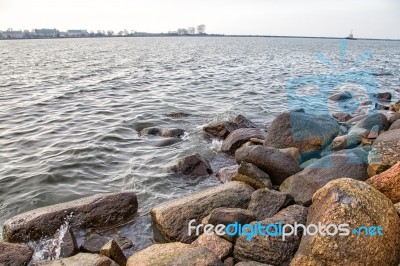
<point>201,29</point>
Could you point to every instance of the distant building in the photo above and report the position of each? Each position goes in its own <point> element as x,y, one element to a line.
<point>77,33</point>
<point>46,33</point>
<point>14,34</point>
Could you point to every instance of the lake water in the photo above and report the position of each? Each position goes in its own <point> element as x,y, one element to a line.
<point>71,109</point>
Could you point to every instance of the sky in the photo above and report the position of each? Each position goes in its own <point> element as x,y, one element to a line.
<point>329,18</point>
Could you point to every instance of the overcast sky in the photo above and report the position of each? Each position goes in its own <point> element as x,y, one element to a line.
<point>336,18</point>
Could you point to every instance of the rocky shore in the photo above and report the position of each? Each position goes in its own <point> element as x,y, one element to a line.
<point>302,169</point>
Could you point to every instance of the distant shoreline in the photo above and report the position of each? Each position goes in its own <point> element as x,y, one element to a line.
<point>198,36</point>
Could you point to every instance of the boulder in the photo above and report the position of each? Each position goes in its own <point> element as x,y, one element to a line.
<point>340,96</point>
<point>266,203</point>
<point>348,163</point>
<point>346,142</point>
<point>114,252</point>
<point>388,183</point>
<point>220,129</point>
<point>231,215</point>
<point>395,125</point>
<point>67,242</point>
<point>240,136</point>
<point>193,165</point>
<point>384,96</point>
<point>243,122</point>
<point>369,122</point>
<point>342,117</point>
<point>230,261</point>
<point>197,206</point>
<point>252,175</point>
<point>392,117</point>
<point>374,133</point>
<point>395,107</point>
<point>80,259</point>
<point>385,152</point>
<point>217,245</point>
<point>94,243</point>
<point>227,173</point>
<point>356,119</point>
<point>14,254</point>
<point>397,207</point>
<point>309,133</point>
<point>163,132</point>
<point>348,201</point>
<point>278,165</point>
<point>272,249</point>
<point>294,152</point>
<point>91,212</point>
<point>177,254</point>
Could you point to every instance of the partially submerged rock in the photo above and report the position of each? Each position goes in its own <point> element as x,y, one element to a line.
<point>227,173</point>
<point>266,203</point>
<point>342,117</point>
<point>178,254</point>
<point>348,201</point>
<point>80,259</point>
<point>114,252</point>
<point>67,243</point>
<point>163,132</point>
<point>388,183</point>
<point>91,212</point>
<point>240,136</point>
<point>172,217</point>
<point>217,245</point>
<point>384,96</point>
<point>220,129</point>
<point>340,96</point>
<point>193,165</point>
<point>243,122</point>
<point>278,165</point>
<point>252,175</point>
<point>14,254</point>
<point>94,243</point>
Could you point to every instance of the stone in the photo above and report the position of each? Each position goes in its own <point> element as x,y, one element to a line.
<point>231,215</point>
<point>91,212</point>
<point>346,163</point>
<point>67,242</point>
<point>348,201</point>
<point>197,206</point>
<point>94,243</point>
<point>220,129</point>
<point>369,122</point>
<point>80,259</point>
<point>14,254</point>
<point>346,142</point>
<point>193,165</point>
<point>357,118</point>
<point>342,117</point>
<point>395,125</point>
<point>397,207</point>
<point>256,141</point>
<point>381,107</point>
<point>240,136</point>
<point>114,252</point>
<point>374,133</point>
<point>177,115</point>
<point>177,254</point>
<point>395,107</point>
<point>392,117</point>
<point>252,175</point>
<point>243,122</point>
<point>308,163</point>
<point>251,263</point>
<point>294,152</point>
<point>217,245</point>
<point>385,152</point>
<point>278,165</point>
<point>388,183</point>
<point>309,133</point>
<point>163,132</point>
<point>266,203</point>
<point>230,261</point>
<point>227,173</point>
<point>340,96</point>
<point>384,96</point>
<point>272,249</point>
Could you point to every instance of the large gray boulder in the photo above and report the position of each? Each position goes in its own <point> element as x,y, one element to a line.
<point>348,201</point>
<point>193,165</point>
<point>174,254</point>
<point>369,122</point>
<point>80,259</point>
<point>309,133</point>
<point>265,203</point>
<point>96,211</point>
<point>277,164</point>
<point>240,136</point>
<point>172,217</point>
<point>347,163</point>
<point>14,254</point>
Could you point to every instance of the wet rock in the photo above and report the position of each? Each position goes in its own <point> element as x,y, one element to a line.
<point>80,259</point>
<point>369,122</point>
<point>374,133</point>
<point>114,252</point>
<point>384,96</point>
<point>240,136</point>
<point>227,173</point>
<point>243,122</point>
<point>122,241</point>
<point>340,96</point>
<point>395,107</point>
<point>346,142</point>
<point>193,165</point>
<point>385,152</point>
<point>388,183</point>
<point>379,106</point>
<point>252,175</point>
<point>14,254</point>
<point>230,261</point>
<point>219,246</point>
<point>67,243</point>
<point>266,203</point>
<point>177,115</point>
<point>163,132</point>
<point>278,165</point>
<point>94,243</point>
<point>348,163</point>
<point>309,133</point>
<point>220,129</point>
<point>342,117</point>
<point>348,201</point>
<point>178,254</point>
<point>91,212</point>
<point>272,249</point>
<point>197,206</point>
<point>395,125</point>
<point>231,215</point>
